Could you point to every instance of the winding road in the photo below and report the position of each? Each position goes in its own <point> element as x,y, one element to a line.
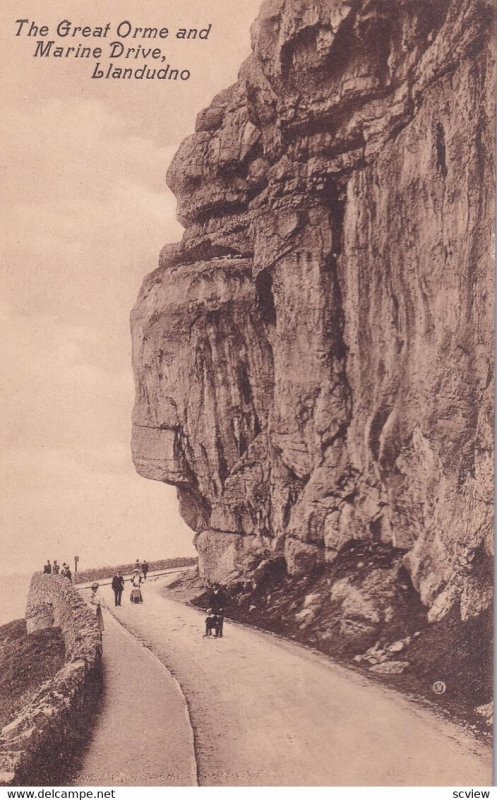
<point>143,735</point>
<point>263,712</point>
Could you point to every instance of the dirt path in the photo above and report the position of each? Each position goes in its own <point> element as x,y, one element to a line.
<point>268,712</point>
<point>142,736</point>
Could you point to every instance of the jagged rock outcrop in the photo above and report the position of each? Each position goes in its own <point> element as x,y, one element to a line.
<point>313,360</point>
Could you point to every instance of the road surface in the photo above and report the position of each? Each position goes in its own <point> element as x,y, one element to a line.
<point>142,734</point>
<point>269,712</point>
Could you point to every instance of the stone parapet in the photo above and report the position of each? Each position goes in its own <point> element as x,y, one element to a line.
<point>38,745</point>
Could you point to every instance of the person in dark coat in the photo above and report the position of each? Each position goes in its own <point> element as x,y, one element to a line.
<point>217,599</point>
<point>117,587</point>
<point>47,569</point>
<point>55,568</point>
<point>144,570</point>
<point>217,605</point>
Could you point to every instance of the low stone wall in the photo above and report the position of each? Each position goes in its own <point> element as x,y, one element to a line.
<point>100,573</point>
<point>37,746</point>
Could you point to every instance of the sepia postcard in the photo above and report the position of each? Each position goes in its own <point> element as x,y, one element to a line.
<point>247,316</point>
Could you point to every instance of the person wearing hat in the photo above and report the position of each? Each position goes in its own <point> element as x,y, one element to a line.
<point>97,602</point>
<point>136,592</point>
<point>217,599</point>
<point>117,587</point>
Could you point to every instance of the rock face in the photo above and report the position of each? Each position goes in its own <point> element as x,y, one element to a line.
<point>313,361</point>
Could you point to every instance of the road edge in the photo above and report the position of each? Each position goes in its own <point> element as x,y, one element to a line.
<point>186,705</point>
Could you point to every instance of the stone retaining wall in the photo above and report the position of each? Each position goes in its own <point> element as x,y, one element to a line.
<point>38,747</point>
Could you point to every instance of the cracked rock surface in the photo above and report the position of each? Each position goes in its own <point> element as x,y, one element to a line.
<point>313,360</point>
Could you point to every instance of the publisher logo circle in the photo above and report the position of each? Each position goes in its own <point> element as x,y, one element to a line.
<point>439,687</point>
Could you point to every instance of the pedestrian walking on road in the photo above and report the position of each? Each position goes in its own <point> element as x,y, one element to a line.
<point>144,570</point>
<point>136,592</point>
<point>117,587</point>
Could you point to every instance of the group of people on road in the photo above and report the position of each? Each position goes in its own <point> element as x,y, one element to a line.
<point>56,569</point>
<point>139,574</point>
<point>141,568</point>
<point>216,600</point>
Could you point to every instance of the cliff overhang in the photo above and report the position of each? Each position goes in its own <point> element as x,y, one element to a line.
<point>313,360</point>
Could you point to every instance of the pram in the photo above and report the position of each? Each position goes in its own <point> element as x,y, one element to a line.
<point>214,624</point>
<point>136,595</point>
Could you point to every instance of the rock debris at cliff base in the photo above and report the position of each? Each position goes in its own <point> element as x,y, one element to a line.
<point>363,612</point>
<point>313,360</point>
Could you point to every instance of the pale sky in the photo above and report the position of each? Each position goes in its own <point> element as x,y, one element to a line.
<point>85,213</point>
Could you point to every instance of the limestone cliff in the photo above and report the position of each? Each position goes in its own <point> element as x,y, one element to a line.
<point>313,361</point>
